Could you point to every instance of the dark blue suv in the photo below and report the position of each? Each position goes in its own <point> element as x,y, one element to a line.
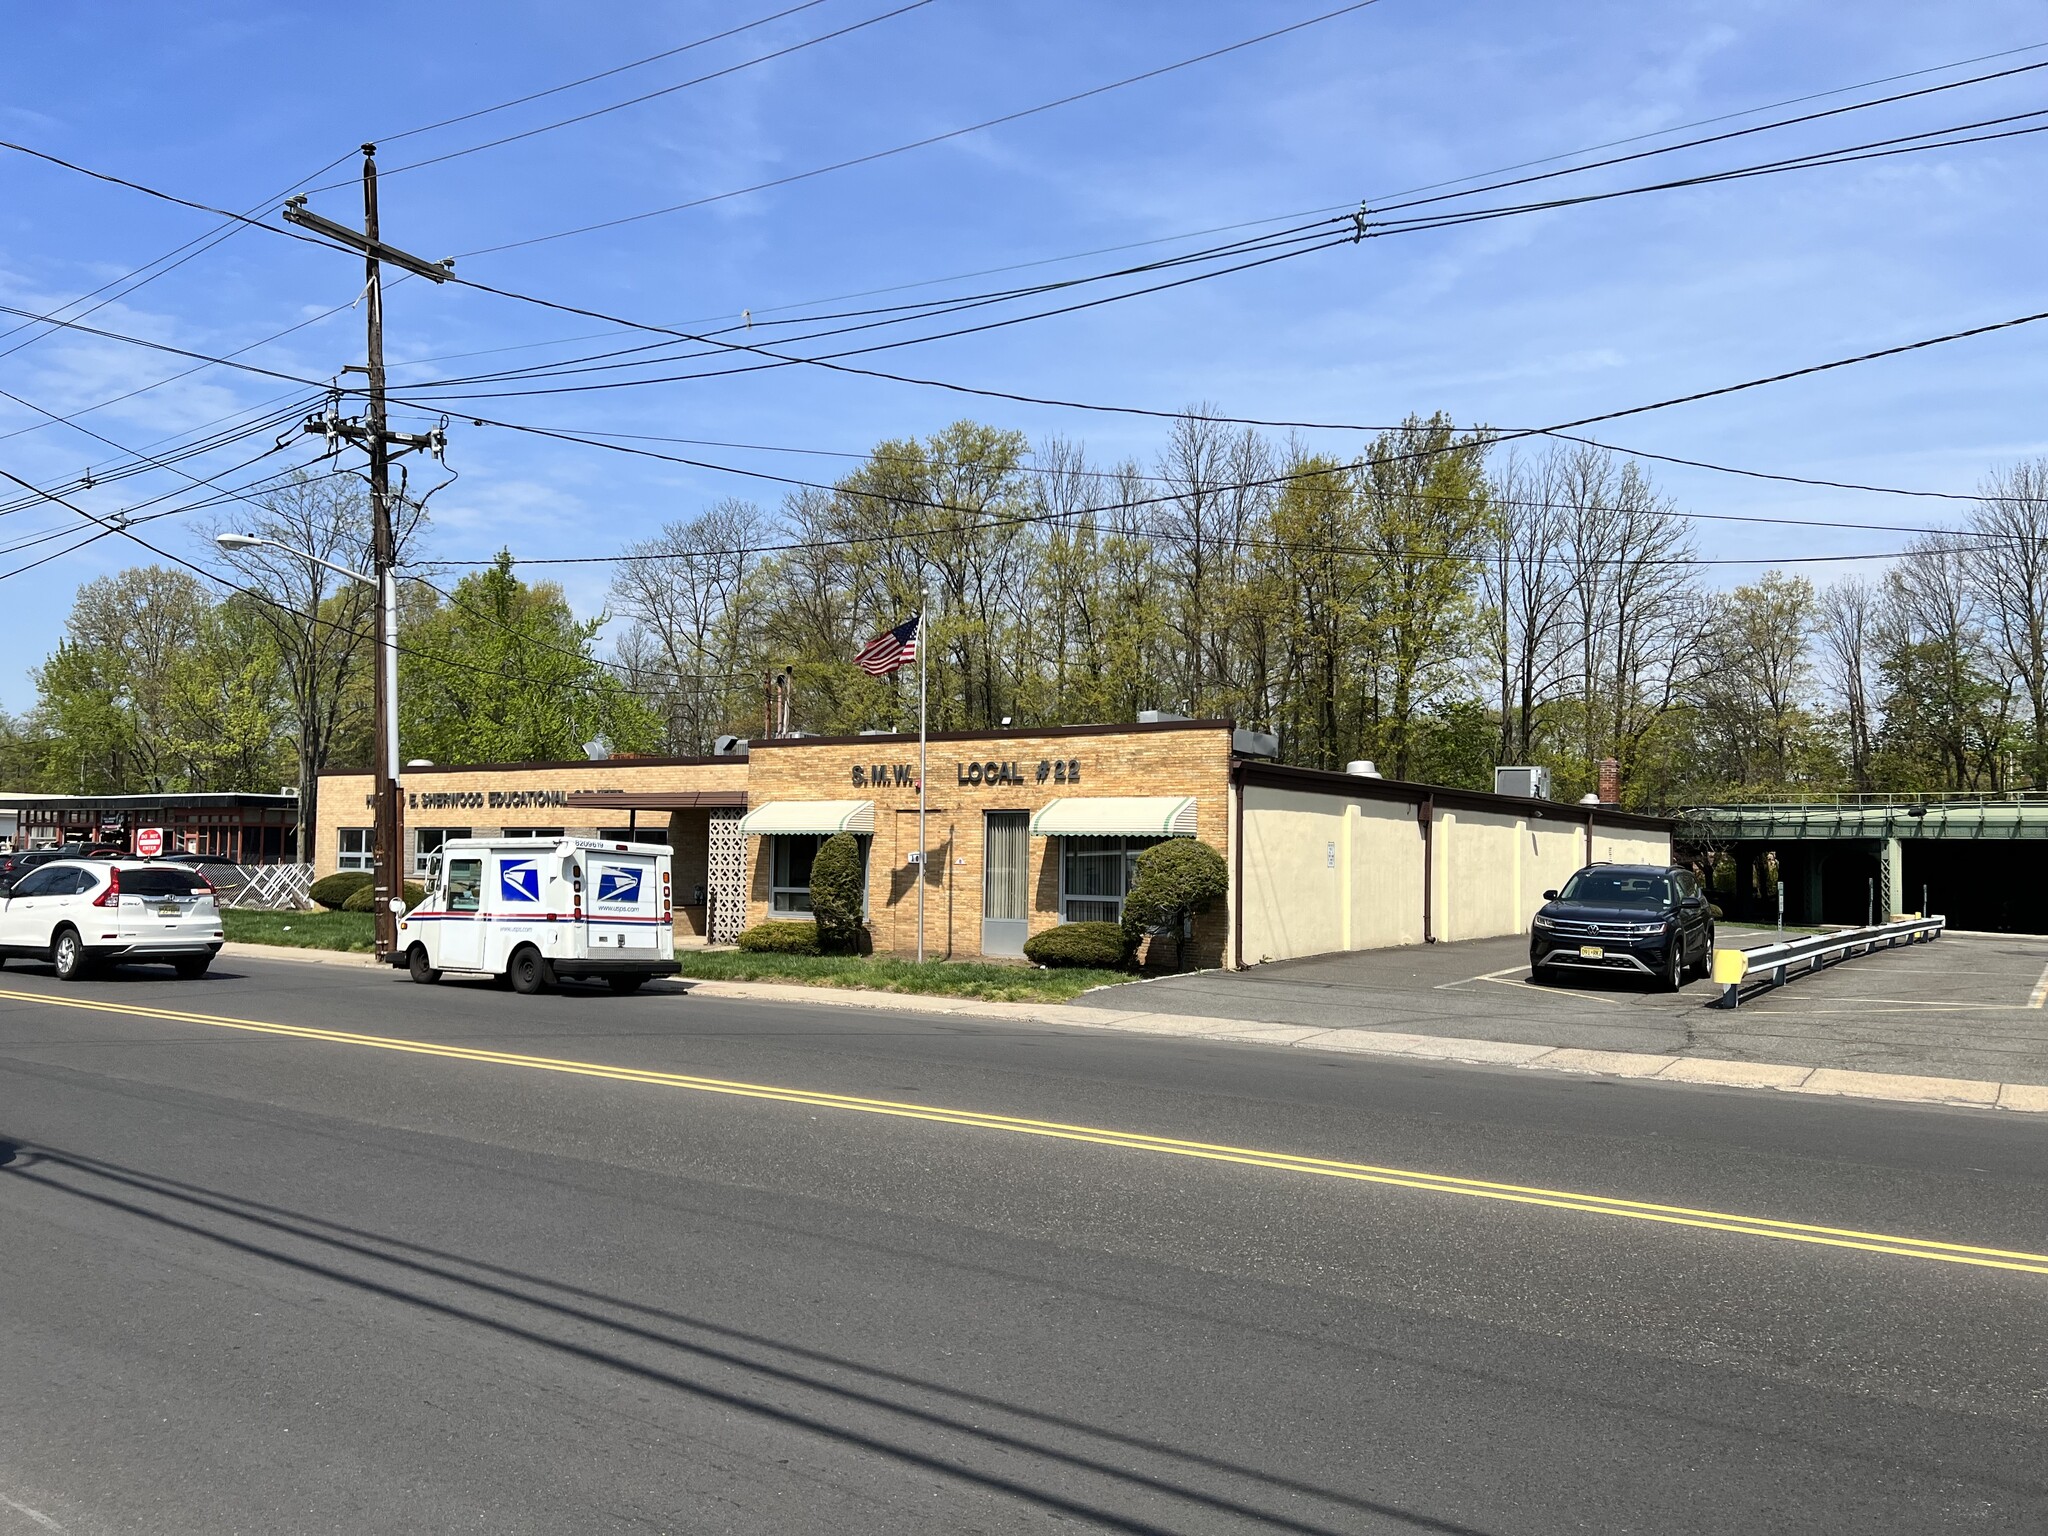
<point>1637,919</point>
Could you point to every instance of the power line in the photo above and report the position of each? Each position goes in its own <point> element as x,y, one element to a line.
<point>716,74</point>
<point>937,138</point>
<point>603,74</point>
<point>1375,199</point>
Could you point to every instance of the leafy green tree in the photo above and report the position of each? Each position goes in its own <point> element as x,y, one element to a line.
<point>505,672</point>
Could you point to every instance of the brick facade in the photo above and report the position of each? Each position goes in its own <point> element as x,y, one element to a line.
<point>1176,758</point>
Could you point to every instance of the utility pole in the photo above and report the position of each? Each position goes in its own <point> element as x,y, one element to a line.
<point>373,434</point>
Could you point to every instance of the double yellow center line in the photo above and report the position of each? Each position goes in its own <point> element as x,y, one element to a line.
<point>1131,1141</point>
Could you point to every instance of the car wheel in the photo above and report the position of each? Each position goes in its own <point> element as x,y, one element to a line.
<point>1673,978</point>
<point>192,970</point>
<point>416,965</point>
<point>67,953</point>
<point>1542,975</point>
<point>625,983</point>
<point>531,974</point>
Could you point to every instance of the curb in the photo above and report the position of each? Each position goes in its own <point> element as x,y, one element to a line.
<point>1832,1082</point>
<point>286,952</point>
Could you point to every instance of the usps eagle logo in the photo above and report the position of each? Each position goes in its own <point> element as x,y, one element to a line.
<point>615,884</point>
<point>520,880</point>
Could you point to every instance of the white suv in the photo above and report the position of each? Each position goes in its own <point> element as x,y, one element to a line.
<point>83,914</point>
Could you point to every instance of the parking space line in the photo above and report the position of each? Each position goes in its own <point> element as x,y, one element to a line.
<point>1500,979</point>
<point>1511,970</point>
<point>2040,990</point>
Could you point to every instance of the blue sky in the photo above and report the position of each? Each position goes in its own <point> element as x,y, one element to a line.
<point>1529,320</point>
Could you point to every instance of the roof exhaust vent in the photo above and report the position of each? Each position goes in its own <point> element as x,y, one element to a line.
<point>1363,768</point>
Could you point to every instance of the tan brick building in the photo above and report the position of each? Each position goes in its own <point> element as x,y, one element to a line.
<point>1028,829</point>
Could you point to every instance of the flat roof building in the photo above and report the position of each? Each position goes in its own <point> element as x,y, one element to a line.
<point>1027,829</point>
<point>248,828</point>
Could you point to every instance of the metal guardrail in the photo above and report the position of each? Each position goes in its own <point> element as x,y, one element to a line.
<point>1772,965</point>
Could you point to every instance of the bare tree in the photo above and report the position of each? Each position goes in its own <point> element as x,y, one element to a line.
<point>687,601</point>
<point>320,622</point>
<point>1527,591</point>
<point>2008,566</point>
<point>1846,624</point>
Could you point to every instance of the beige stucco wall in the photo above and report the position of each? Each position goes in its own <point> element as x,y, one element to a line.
<point>1325,871</point>
<point>1628,845</point>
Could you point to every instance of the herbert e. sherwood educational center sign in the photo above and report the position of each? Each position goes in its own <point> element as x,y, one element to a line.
<point>484,799</point>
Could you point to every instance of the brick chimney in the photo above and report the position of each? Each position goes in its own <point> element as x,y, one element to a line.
<point>1610,781</point>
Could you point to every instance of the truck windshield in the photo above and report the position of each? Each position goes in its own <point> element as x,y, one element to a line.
<point>1616,888</point>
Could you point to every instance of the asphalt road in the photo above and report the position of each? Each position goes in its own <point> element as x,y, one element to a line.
<point>1966,1006</point>
<point>659,1263</point>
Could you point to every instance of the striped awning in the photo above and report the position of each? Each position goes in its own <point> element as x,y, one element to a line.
<point>782,818</point>
<point>1116,816</point>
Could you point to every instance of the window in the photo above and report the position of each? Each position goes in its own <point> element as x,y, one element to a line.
<point>1619,888</point>
<point>358,849</point>
<point>465,884</point>
<point>531,832</point>
<point>427,841</point>
<point>38,882</point>
<point>634,834</point>
<point>162,882</point>
<point>789,875</point>
<point>1095,876</point>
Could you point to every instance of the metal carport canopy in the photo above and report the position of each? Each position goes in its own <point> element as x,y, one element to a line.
<point>783,818</point>
<point>1116,816</point>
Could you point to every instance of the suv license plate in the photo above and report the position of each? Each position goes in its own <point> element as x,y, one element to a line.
<point>1592,952</point>
<point>169,909</point>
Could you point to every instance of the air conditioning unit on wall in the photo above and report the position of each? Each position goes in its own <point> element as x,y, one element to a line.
<point>1529,783</point>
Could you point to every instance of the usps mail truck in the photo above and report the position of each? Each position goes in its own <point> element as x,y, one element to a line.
<point>535,910</point>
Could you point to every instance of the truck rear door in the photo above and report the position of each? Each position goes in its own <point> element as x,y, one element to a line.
<point>624,914</point>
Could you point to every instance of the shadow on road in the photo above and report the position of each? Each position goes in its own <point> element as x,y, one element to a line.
<point>951,1412</point>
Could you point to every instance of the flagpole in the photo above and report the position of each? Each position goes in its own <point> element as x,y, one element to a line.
<point>920,783</point>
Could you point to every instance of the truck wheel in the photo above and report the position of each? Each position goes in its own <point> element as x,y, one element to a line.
<point>67,953</point>
<point>625,983</point>
<point>530,972</point>
<point>416,965</point>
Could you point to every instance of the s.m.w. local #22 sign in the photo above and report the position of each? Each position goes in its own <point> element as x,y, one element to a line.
<point>1048,770</point>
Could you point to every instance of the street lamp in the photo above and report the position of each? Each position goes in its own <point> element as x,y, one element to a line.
<point>389,858</point>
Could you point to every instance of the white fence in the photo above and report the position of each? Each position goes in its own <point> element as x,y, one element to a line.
<point>274,887</point>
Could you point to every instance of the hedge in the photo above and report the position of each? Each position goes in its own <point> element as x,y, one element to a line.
<point>835,894</point>
<point>1099,945</point>
<point>364,898</point>
<point>334,891</point>
<point>783,938</point>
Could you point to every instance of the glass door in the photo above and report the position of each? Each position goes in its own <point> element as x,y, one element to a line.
<point>1005,882</point>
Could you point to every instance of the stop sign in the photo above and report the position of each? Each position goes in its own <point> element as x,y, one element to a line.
<point>149,842</point>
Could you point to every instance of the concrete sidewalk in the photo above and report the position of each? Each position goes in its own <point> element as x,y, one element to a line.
<point>1099,1010</point>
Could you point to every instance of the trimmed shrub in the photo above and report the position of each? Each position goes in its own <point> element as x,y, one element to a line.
<point>364,899</point>
<point>780,938</point>
<point>835,894</point>
<point>1176,879</point>
<point>1100,945</point>
<point>333,892</point>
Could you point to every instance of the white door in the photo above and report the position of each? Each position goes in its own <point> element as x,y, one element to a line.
<point>462,923</point>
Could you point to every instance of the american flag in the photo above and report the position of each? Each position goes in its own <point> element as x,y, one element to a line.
<point>889,650</point>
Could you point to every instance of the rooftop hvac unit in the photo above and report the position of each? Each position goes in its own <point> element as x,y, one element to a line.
<point>729,746</point>
<point>1159,716</point>
<point>1528,783</point>
<point>1254,743</point>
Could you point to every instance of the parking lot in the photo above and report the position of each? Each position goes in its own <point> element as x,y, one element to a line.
<point>1965,1006</point>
